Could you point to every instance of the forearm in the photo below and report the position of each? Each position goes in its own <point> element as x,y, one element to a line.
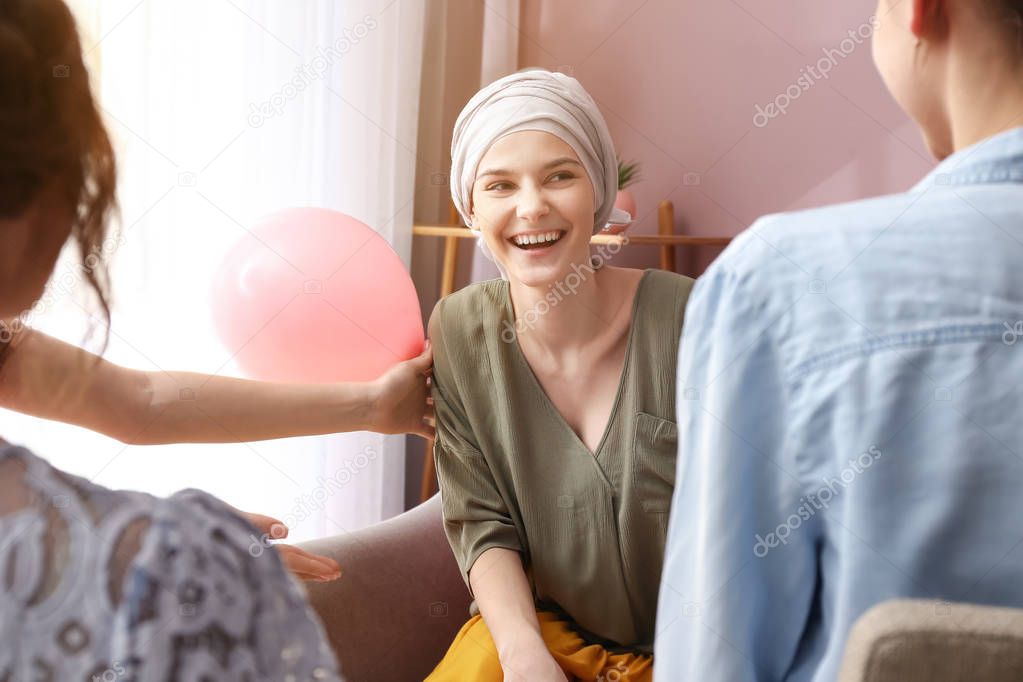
<point>45,377</point>
<point>185,407</point>
<point>505,601</point>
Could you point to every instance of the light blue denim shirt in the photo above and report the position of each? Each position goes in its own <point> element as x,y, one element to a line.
<point>850,424</point>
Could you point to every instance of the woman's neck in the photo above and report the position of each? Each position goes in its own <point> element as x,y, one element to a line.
<point>983,102</point>
<point>565,316</point>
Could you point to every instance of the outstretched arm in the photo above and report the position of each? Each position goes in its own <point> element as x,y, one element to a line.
<point>48,378</point>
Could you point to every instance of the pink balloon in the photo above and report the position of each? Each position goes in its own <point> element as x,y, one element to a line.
<point>312,295</point>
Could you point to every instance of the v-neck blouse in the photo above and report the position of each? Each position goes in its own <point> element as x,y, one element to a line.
<point>590,526</point>
<point>552,411</point>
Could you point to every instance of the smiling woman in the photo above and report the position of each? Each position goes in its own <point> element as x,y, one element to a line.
<point>575,141</point>
<point>526,209</point>
<point>555,443</point>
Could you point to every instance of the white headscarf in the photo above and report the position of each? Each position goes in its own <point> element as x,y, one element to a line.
<point>535,100</point>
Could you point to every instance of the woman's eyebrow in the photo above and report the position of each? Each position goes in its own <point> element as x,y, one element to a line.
<point>552,164</point>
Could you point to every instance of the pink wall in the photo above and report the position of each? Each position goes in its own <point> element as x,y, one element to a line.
<point>679,81</point>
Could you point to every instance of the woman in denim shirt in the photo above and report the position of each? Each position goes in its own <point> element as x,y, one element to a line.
<point>850,381</point>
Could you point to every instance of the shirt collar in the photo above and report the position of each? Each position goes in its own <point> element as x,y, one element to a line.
<point>998,158</point>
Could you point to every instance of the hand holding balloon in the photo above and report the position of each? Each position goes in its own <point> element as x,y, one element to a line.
<point>401,400</point>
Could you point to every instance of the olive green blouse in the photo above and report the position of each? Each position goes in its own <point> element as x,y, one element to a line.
<point>590,526</point>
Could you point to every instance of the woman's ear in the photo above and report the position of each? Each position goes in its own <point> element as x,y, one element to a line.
<point>928,20</point>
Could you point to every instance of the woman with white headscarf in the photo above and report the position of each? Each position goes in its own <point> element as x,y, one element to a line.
<point>554,394</point>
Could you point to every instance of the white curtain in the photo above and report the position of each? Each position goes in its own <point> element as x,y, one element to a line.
<point>223,111</point>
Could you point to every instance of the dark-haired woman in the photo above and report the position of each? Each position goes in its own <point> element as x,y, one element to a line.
<point>102,584</point>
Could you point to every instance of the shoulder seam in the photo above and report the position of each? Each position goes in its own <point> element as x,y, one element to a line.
<point>935,336</point>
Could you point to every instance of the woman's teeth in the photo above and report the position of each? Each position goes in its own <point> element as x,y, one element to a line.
<point>536,241</point>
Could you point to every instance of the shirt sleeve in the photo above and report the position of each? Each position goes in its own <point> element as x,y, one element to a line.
<point>740,562</point>
<point>476,517</point>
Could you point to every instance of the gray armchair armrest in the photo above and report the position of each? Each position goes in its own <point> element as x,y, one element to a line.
<point>400,599</point>
<point>933,641</point>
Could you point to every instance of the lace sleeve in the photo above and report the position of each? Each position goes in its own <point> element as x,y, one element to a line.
<point>124,586</point>
<point>206,597</point>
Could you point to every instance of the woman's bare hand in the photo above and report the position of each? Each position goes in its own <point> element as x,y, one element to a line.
<point>304,565</point>
<point>400,399</point>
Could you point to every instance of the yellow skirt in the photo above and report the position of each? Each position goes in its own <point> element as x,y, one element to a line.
<point>473,656</point>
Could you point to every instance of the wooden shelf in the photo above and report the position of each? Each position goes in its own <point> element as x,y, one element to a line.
<point>638,239</point>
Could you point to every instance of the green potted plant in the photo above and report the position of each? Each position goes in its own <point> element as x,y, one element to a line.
<point>628,174</point>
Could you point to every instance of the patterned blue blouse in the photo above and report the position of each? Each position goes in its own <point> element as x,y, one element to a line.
<point>111,585</point>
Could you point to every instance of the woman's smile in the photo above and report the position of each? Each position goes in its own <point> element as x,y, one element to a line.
<point>537,243</point>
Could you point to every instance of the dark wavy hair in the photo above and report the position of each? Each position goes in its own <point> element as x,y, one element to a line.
<point>51,132</point>
<point>1008,16</point>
